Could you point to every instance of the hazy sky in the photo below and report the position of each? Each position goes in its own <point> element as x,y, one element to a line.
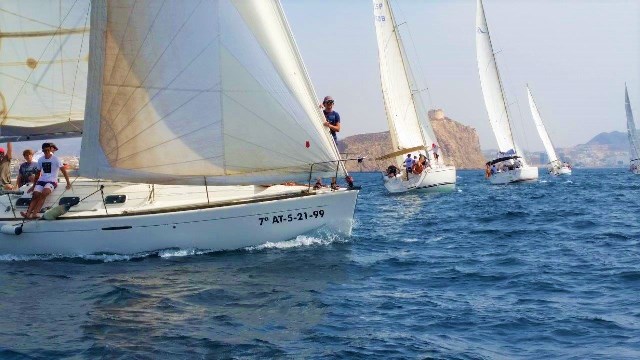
<point>575,55</point>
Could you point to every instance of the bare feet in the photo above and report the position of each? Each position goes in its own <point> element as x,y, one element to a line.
<point>24,214</point>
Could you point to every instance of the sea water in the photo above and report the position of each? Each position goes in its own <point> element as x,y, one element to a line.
<point>549,269</point>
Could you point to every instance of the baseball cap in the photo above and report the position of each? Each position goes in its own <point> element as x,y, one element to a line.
<point>2,150</point>
<point>327,98</point>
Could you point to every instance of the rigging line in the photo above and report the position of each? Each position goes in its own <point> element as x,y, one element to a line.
<point>282,18</point>
<point>77,68</point>
<point>26,18</point>
<point>415,50</point>
<point>522,132</point>
<point>135,58</point>
<point>26,81</point>
<point>187,66</point>
<point>41,55</point>
<point>60,51</point>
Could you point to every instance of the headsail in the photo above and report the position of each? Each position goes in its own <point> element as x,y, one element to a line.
<point>408,122</point>
<point>542,131</point>
<point>183,91</point>
<point>44,47</point>
<point>492,89</point>
<point>634,139</point>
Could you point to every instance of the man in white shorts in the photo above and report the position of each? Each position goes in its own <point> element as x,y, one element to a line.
<point>46,180</point>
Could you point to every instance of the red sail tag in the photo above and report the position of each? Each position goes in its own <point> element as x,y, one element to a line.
<point>307,144</point>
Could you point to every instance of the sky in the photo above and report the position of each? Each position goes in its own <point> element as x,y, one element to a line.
<point>576,56</point>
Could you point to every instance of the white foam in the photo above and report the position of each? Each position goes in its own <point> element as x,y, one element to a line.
<point>299,241</point>
<point>169,253</point>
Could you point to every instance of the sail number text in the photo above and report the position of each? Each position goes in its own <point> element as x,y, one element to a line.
<point>291,217</point>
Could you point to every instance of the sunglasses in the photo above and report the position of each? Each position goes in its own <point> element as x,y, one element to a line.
<point>329,102</point>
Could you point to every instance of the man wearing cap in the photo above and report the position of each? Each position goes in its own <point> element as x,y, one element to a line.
<point>46,180</point>
<point>5,167</point>
<point>332,117</point>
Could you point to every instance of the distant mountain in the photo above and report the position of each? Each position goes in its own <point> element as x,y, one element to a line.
<point>459,143</point>
<point>615,140</point>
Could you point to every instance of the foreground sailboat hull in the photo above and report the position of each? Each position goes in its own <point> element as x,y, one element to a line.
<point>442,178</point>
<point>523,174</point>
<point>208,227</point>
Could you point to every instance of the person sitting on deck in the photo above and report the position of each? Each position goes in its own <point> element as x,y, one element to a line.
<point>318,184</point>
<point>392,171</point>
<point>418,166</point>
<point>334,184</point>
<point>28,169</point>
<point>46,180</point>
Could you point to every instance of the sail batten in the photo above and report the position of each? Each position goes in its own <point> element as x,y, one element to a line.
<point>542,131</point>
<point>193,91</point>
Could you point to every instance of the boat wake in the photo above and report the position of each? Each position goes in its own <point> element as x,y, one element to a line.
<point>319,239</point>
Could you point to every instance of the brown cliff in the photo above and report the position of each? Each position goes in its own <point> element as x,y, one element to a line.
<point>459,143</point>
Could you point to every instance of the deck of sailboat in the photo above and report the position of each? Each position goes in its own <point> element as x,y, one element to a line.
<point>195,198</point>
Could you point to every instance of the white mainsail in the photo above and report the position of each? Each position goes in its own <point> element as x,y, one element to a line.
<point>44,47</point>
<point>542,131</point>
<point>634,139</point>
<point>186,91</point>
<point>492,89</point>
<point>408,122</point>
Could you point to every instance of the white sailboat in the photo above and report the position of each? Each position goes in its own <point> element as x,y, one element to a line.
<point>410,128</point>
<point>556,167</point>
<point>510,162</point>
<point>634,137</point>
<point>182,97</point>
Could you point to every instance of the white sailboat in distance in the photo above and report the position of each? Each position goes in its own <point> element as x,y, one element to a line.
<point>634,136</point>
<point>409,125</point>
<point>193,109</point>
<point>556,167</point>
<point>509,166</point>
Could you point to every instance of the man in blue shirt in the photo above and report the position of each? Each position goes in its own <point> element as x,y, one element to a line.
<point>332,117</point>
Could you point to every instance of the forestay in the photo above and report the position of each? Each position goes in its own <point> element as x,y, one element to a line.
<point>408,122</point>
<point>542,131</point>
<point>44,47</point>
<point>193,91</point>
<point>634,139</point>
<point>492,90</point>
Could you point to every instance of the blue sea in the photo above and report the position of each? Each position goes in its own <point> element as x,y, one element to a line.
<point>546,270</point>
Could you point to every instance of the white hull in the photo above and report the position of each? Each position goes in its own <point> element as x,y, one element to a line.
<point>561,171</point>
<point>244,219</point>
<point>528,173</point>
<point>440,178</point>
<point>635,170</point>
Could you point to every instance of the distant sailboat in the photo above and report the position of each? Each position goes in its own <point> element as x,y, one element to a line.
<point>556,167</point>
<point>634,136</point>
<point>510,162</point>
<point>182,97</point>
<point>409,125</point>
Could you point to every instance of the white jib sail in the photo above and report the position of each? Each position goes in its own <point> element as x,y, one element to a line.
<point>542,131</point>
<point>491,84</point>
<point>187,91</point>
<point>634,139</point>
<point>408,122</point>
<point>44,48</point>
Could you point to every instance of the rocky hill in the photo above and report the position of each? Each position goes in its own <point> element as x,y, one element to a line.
<point>459,143</point>
<point>615,140</point>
